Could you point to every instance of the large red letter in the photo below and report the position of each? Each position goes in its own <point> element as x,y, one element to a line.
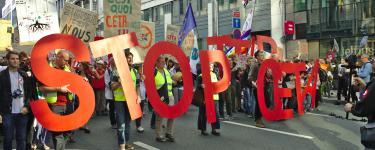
<point>149,68</point>
<point>277,113</point>
<point>207,57</point>
<point>116,46</point>
<point>54,78</point>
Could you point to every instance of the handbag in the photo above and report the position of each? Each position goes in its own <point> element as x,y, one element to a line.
<point>368,135</point>
<point>198,97</point>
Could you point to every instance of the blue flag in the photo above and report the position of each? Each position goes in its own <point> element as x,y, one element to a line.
<point>188,25</point>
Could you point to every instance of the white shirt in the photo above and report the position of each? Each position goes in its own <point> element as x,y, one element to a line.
<point>107,80</point>
<point>16,82</point>
<point>3,68</point>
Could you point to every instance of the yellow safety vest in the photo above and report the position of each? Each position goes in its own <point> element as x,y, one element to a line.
<point>160,81</point>
<point>214,79</point>
<point>51,97</point>
<point>119,94</point>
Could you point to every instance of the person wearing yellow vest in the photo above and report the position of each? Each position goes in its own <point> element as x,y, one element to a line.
<point>57,98</point>
<point>163,81</point>
<point>202,118</point>
<point>121,107</point>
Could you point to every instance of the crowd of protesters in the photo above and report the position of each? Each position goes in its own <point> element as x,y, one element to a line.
<point>18,86</point>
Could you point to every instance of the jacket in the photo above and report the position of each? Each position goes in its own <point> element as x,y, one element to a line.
<point>6,93</point>
<point>366,107</point>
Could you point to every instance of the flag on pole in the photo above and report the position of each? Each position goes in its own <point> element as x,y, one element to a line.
<point>363,42</point>
<point>336,47</point>
<point>188,25</point>
<point>194,56</point>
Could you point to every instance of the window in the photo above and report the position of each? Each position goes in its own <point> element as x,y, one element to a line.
<point>181,6</point>
<point>221,2</point>
<point>146,15</point>
<point>300,5</point>
<point>157,13</point>
<point>200,5</point>
<point>232,1</point>
<point>167,7</point>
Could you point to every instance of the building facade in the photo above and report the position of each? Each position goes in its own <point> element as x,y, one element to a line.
<point>319,22</point>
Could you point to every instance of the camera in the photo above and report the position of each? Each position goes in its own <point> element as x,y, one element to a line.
<point>17,94</point>
<point>352,62</point>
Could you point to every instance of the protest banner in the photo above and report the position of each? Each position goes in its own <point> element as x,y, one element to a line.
<point>121,17</point>
<point>78,22</point>
<point>6,30</point>
<point>171,35</point>
<point>146,39</point>
<point>36,19</point>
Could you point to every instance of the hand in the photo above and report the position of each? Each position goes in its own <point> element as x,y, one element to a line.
<point>348,107</point>
<point>202,85</point>
<point>64,89</point>
<point>24,111</point>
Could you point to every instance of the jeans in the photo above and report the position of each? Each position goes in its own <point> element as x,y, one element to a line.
<point>159,122</point>
<point>16,122</point>
<point>99,101</point>
<point>249,100</point>
<point>123,122</point>
<point>112,114</point>
<point>40,135</point>
<point>202,118</point>
<point>59,138</point>
<point>307,102</point>
<point>138,121</point>
<point>342,87</point>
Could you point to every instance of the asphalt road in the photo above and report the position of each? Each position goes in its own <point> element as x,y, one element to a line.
<point>313,131</point>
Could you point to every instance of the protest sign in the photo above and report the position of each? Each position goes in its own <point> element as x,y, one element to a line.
<point>5,34</point>
<point>146,39</point>
<point>121,17</point>
<point>78,22</point>
<point>36,19</point>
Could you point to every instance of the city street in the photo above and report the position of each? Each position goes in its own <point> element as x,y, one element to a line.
<point>315,130</point>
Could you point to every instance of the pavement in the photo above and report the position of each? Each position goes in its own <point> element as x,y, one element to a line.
<point>313,131</point>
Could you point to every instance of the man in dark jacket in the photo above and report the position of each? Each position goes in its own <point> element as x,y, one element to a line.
<point>366,106</point>
<point>15,93</point>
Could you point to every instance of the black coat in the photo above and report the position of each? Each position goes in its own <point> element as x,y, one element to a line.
<point>366,107</point>
<point>6,93</point>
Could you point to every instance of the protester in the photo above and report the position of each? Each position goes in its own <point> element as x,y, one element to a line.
<point>58,97</point>
<point>248,97</point>
<point>253,79</point>
<point>142,93</point>
<point>99,88</point>
<point>108,75</point>
<point>343,80</point>
<point>15,93</point>
<point>365,71</point>
<point>121,106</point>
<point>202,118</point>
<point>163,81</point>
<point>365,108</point>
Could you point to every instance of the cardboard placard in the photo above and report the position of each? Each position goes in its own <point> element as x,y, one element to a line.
<point>121,17</point>
<point>6,30</point>
<point>78,22</point>
<point>36,19</point>
<point>146,39</point>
